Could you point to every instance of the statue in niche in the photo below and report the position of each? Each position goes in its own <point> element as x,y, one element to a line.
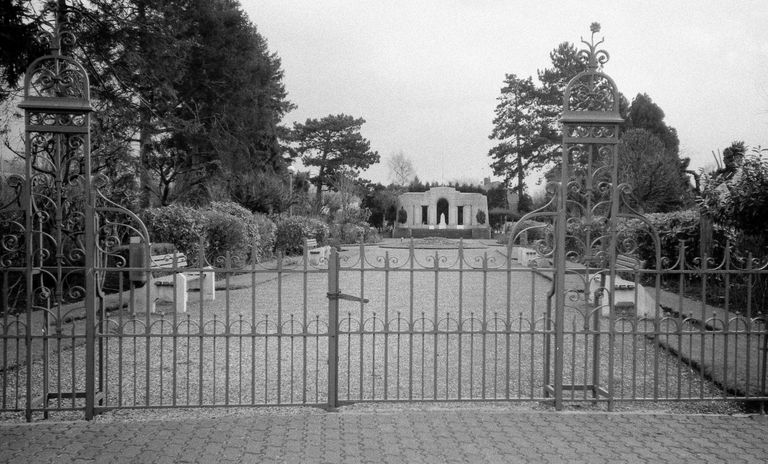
<point>441,224</point>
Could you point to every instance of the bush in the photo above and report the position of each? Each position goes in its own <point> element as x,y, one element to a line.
<point>402,216</point>
<point>672,229</point>
<point>317,229</point>
<point>250,222</point>
<point>350,233</point>
<point>226,226</point>
<point>480,216</point>
<point>292,231</point>
<point>180,225</point>
<point>352,214</point>
<point>225,233</point>
<point>267,232</point>
<point>739,198</point>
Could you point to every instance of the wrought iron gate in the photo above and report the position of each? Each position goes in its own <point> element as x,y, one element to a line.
<point>435,321</point>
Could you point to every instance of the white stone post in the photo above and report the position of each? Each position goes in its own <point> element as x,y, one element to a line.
<point>208,285</point>
<point>180,292</point>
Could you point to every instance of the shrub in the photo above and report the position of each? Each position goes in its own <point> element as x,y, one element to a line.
<point>672,228</point>
<point>402,216</point>
<point>267,232</point>
<point>352,214</point>
<point>480,216</point>
<point>292,231</point>
<point>225,233</point>
<point>739,198</point>
<point>180,225</point>
<point>225,226</point>
<point>353,233</point>
<point>317,229</point>
<point>252,233</point>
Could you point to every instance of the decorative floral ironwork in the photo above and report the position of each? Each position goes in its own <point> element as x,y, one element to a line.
<point>593,57</point>
<point>57,119</point>
<point>591,92</point>
<point>58,77</point>
<point>591,131</point>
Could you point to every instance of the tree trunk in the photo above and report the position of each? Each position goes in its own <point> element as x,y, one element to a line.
<point>520,184</point>
<point>145,179</point>
<point>705,238</point>
<point>145,116</point>
<point>319,192</point>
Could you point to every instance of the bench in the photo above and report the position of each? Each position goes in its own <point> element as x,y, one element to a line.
<point>316,253</point>
<point>628,263</point>
<point>524,255</point>
<point>173,287</point>
<point>624,290</point>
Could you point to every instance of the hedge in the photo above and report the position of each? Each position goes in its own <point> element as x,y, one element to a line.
<point>224,227</point>
<point>177,224</point>
<point>293,230</point>
<point>352,233</point>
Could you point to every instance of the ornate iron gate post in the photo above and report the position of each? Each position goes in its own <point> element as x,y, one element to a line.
<point>583,211</point>
<point>333,329</point>
<point>589,196</point>
<point>59,224</point>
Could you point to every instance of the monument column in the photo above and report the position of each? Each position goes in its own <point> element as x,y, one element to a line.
<point>433,213</point>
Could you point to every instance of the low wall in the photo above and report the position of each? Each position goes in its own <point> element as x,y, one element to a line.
<point>447,233</point>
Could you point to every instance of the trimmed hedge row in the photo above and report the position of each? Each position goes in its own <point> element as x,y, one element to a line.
<point>223,227</point>
<point>227,227</point>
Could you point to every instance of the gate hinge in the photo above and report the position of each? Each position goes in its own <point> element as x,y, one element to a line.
<point>344,296</point>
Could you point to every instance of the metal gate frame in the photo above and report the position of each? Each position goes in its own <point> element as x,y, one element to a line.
<point>587,194</point>
<point>57,144</point>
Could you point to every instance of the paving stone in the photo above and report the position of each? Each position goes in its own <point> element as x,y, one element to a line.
<point>413,436</point>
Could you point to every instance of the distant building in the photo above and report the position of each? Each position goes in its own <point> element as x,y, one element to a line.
<point>489,184</point>
<point>445,212</point>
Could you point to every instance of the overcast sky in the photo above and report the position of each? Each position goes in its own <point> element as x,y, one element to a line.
<point>425,74</point>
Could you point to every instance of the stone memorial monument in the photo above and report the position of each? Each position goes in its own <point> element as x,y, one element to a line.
<point>443,212</point>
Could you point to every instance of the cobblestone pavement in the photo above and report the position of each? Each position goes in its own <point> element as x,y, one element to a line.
<point>468,436</point>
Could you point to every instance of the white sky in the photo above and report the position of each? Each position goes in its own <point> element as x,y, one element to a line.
<point>425,74</point>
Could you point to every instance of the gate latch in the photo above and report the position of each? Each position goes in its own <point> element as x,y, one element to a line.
<point>344,296</point>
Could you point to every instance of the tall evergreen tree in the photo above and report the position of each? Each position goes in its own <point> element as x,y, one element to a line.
<point>521,128</point>
<point>645,114</point>
<point>190,83</point>
<point>652,171</point>
<point>333,144</point>
<point>19,25</point>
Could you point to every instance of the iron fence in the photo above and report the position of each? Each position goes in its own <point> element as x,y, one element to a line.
<point>457,324</point>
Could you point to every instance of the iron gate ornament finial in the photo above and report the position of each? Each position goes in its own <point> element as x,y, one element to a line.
<point>593,58</point>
